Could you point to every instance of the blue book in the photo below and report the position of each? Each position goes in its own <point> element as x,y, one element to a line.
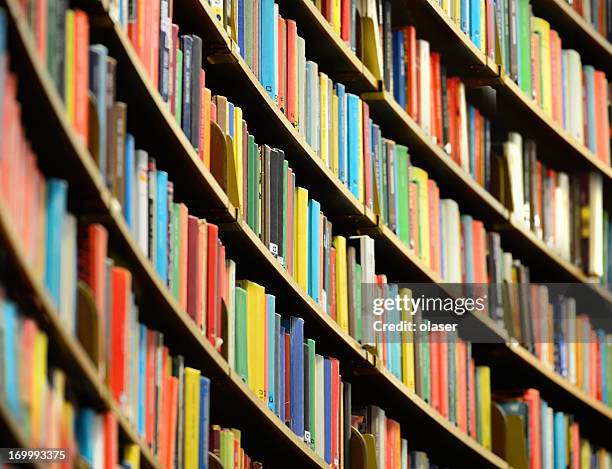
<point>230,118</point>
<point>559,443</point>
<point>186,47</point>
<point>589,73</point>
<point>353,143</point>
<point>281,390</point>
<point>266,47</point>
<point>204,421</point>
<point>399,70</point>
<point>471,121</point>
<point>130,173</point>
<point>161,230</point>
<point>57,194</point>
<point>8,323</point>
<point>465,16</point>
<point>327,391</point>
<point>240,32</point>
<point>98,55</point>
<point>341,132</point>
<point>474,26</point>
<point>142,376</point>
<point>271,349</point>
<point>466,223</point>
<point>296,343</point>
<point>487,155</point>
<point>84,433</point>
<point>314,230</point>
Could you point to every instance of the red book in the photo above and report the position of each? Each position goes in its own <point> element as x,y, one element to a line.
<point>41,29</point>
<point>367,156</point>
<point>136,29</point>
<point>434,226</point>
<point>555,85</point>
<point>153,47</point>
<point>194,270</point>
<point>111,440</point>
<point>203,123</point>
<point>410,48</point>
<point>602,124</point>
<point>213,112</point>
<point>478,247</point>
<point>212,281</point>
<point>290,110</point>
<point>345,21</point>
<point>326,9</point>
<point>221,292</point>
<point>436,97</point>
<point>282,64</point>
<point>335,411</point>
<point>532,398</point>
<point>575,445</point>
<point>434,370</point>
<point>150,388</point>
<point>122,288</point>
<point>490,21</point>
<point>287,344</point>
<point>443,371</point>
<point>332,273</point>
<point>477,140</point>
<point>81,75</point>
<point>453,121</point>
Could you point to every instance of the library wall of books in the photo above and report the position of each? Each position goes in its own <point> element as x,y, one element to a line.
<point>198,199</point>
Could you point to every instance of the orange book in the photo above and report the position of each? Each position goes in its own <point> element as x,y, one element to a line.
<point>532,398</point>
<point>602,124</point>
<point>135,27</point>
<point>145,52</point>
<point>593,364</point>
<point>212,282</point>
<point>122,288</point>
<point>164,418</point>
<point>41,30</point>
<point>412,93</point>
<point>205,133</point>
<point>81,75</point>
<point>111,440</point>
<point>282,63</point>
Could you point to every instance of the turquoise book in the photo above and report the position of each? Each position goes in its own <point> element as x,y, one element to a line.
<point>314,241</point>
<point>267,51</point>
<point>161,232</point>
<point>353,143</point>
<point>57,195</point>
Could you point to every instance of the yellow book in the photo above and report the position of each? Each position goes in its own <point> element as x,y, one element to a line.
<point>585,454</point>
<point>484,386</point>
<point>341,287</point>
<point>238,150</point>
<point>217,9</point>
<point>407,346</point>
<point>542,27</point>
<point>234,20</point>
<point>227,448</point>
<point>301,238</point>
<point>334,135</point>
<point>336,16</point>
<point>256,330</point>
<point>456,16</point>
<point>131,454</point>
<point>192,418</point>
<point>39,387</point>
<point>419,176</point>
<point>360,152</point>
<point>69,67</point>
<point>323,117</point>
<point>446,6</point>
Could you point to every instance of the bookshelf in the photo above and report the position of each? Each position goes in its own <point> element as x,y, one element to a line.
<point>205,197</point>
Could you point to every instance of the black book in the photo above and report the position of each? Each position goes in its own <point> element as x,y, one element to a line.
<point>277,186</point>
<point>265,188</point>
<point>347,413</point>
<point>196,67</point>
<point>186,47</point>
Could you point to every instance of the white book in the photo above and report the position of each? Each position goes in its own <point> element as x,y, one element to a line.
<point>595,266</point>
<point>98,444</point>
<point>562,216</point>
<point>573,83</point>
<point>379,429</point>
<point>68,273</point>
<point>301,88</point>
<point>513,152</point>
<point>319,406</point>
<point>425,86</point>
<point>141,201</point>
<point>404,454</point>
<point>452,241</point>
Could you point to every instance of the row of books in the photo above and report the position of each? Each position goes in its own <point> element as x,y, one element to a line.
<point>535,435</point>
<point>37,397</point>
<point>566,211</point>
<point>595,12</point>
<point>563,339</point>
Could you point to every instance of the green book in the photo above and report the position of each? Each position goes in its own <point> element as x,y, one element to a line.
<point>178,93</point>
<point>401,162</point>
<point>251,181</point>
<point>176,249</point>
<point>425,366</point>
<point>524,39</point>
<point>241,333</point>
<point>383,185</point>
<point>312,391</point>
<point>357,290</point>
<point>285,218</point>
<point>248,33</point>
